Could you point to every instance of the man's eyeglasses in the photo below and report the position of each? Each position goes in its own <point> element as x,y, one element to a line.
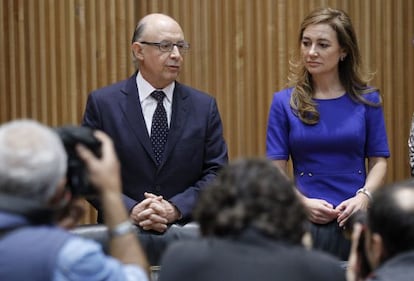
<point>167,46</point>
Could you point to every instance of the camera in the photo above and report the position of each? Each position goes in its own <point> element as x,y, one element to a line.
<point>77,175</point>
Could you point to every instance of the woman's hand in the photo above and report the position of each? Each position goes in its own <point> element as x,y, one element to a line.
<point>320,211</point>
<point>350,206</point>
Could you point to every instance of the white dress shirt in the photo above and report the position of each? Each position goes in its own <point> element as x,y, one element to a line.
<point>148,103</point>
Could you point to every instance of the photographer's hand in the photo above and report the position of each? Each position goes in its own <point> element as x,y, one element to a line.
<point>103,172</point>
<point>70,216</point>
<point>105,175</point>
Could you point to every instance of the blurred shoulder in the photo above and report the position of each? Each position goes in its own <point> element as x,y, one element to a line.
<point>194,249</point>
<point>282,98</point>
<point>283,94</point>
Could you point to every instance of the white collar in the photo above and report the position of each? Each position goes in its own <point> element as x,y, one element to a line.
<point>145,89</point>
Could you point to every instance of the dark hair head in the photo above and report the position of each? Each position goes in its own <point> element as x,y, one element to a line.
<point>251,193</point>
<point>391,215</point>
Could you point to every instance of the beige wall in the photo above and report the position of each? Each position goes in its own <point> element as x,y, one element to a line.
<point>54,52</point>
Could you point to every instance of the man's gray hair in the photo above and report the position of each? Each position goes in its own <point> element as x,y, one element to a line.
<point>33,160</point>
<point>138,33</point>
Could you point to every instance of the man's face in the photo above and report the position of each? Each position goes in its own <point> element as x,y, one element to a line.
<point>160,68</point>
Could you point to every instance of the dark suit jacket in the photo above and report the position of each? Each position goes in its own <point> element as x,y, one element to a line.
<point>194,152</point>
<point>397,268</point>
<point>250,257</point>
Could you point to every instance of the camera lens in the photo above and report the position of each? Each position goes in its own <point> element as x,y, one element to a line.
<point>77,176</point>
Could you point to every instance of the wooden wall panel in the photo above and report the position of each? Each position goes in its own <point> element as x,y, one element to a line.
<point>53,53</point>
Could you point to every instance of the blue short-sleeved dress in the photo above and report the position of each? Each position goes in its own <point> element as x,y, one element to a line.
<point>328,157</point>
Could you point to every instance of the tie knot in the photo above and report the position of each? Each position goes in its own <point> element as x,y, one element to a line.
<point>158,95</point>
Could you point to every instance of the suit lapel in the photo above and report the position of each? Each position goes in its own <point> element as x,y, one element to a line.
<point>179,116</point>
<point>131,107</point>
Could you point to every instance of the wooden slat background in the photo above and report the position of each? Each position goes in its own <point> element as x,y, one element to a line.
<point>54,52</point>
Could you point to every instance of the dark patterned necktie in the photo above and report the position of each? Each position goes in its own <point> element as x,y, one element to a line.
<point>159,128</point>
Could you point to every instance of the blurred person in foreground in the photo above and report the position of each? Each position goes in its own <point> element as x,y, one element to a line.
<point>252,223</point>
<point>33,165</point>
<point>383,246</point>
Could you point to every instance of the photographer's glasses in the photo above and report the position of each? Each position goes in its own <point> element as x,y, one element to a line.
<point>167,46</point>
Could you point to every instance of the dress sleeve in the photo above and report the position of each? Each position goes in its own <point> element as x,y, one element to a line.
<point>377,141</point>
<point>277,139</point>
<point>81,259</point>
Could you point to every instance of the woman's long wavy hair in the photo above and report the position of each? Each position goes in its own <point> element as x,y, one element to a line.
<point>351,76</point>
<point>251,193</point>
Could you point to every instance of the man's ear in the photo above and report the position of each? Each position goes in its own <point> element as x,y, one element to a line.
<point>377,249</point>
<point>62,195</point>
<point>137,50</point>
<point>307,240</point>
<point>62,183</point>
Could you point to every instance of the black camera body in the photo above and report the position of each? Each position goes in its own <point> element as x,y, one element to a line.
<point>77,175</point>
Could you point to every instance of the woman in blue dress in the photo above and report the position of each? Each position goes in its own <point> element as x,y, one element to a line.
<point>330,123</point>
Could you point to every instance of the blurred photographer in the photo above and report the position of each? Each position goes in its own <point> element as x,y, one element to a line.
<point>33,166</point>
<point>388,237</point>
<point>253,225</point>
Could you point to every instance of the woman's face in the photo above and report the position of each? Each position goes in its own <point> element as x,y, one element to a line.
<point>320,49</point>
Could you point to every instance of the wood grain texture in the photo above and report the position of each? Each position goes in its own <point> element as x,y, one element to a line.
<point>53,53</point>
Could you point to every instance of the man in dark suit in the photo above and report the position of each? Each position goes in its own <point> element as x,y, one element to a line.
<point>253,223</point>
<point>383,242</point>
<point>169,148</point>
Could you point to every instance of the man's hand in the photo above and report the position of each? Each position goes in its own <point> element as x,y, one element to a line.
<point>148,214</point>
<point>71,215</point>
<point>154,213</point>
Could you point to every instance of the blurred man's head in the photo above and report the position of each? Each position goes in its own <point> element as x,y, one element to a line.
<point>390,223</point>
<point>251,193</point>
<point>33,161</point>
